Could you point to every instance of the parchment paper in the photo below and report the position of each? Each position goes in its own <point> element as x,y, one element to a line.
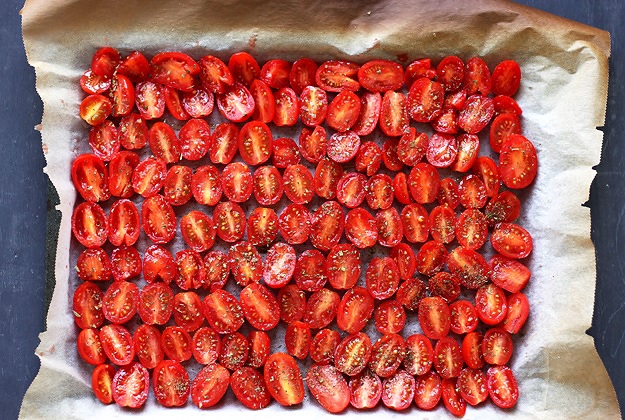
<point>563,97</point>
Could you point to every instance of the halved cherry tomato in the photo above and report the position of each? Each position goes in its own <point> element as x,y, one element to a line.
<point>445,285</point>
<point>365,390</point>
<point>158,219</point>
<point>424,183</point>
<point>188,311</point>
<point>404,257</point>
<point>419,355</point>
<point>518,162</point>
<point>506,78</point>
<point>380,192</point>
<point>428,390</point>
<point>448,193</point>
<point>117,344</point>
<point>390,155</point>
<point>447,121</point>
<point>447,358</point>
<point>95,109</point>
<point>369,158</point>
<point>191,271</point>
<point>174,69</point>
<point>398,391</point>
<point>381,75</point>
<point>177,185</point>
<point>472,386</point>
<point>131,385</point>
<point>477,77</point>
<point>442,150</point>
<point>431,258</point>
<point>260,347</point>
<point>387,354</point>
<point>350,189</point>
<point>173,103</point>
<point>121,168</point>
<point>294,223</point>
<point>148,349</point>
<point>394,118</point>
<point>511,240</point>
<point>326,225</point>
<point>198,102</point>
<point>119,304</point>
<point>311,271</point>
<point>229,219</point>
<point>93,83</point>
<point>472,350</point>
<point>469,266</point>
<point>262,226</point>
<point>361,228</point>
<point>268,185</point>
<point>468,149</point>
<point>370,104</point>
<point>224,143</point>
<point>171,384</point>
<point>259,306</point>
<point>450,72</point>
<point>518,311</point>
<point>206,346</point>
<point>343,111</point>
<point>464,317</point>
<point>276,73</point>
<point>418,69</point>
<point>214,74</point>
<point>102,383</point>
<point>234,350</point>
<point>344,265</point>
<point>501,128</point>
<point>90,347</point>
<point>279,265</point>
<point>452,399</point>
<point>323,345</point>
<point>164,143</point>
<point>156,303</point>
<point>506,105</point>
<point>412,147</point>
<point>321,308</point>
<point>355,310</point>
<point>209,385</point>
<point>93,264</point>
<point>353,353</point>
<point>122,95</point>
<point>177,343</point>
<point>264,101</point>
<point>400,188</point>
<point>223,312</point>
<point>502,386</point>
<point>244,68</point>
<point>343,147</point>
<point>195,139</point>
<point>285,152</point>
<point>158,264</point>
<point>442,224</point>
<point>486,169</point>
<point>297,338</point>
<point>248,386</point>
<point>105,61</point>
<point>337,75</point>
<point>425,100</point>
<point>477,112</point>
<point>292,302</point>
<point>104,140</point>
<point>287,107</point>
<point>150,99</point>
<point>135,66</point>
<point>245,263</point>
<point>434,317</point>
<point>410,293</point>
<point>149,176</point>
<point>497,346</point>
<point>302,74</point>
<point>313,145</point>
<point>236,103</point>
<point>284,379</point>
<point>206,185</point>
<point>123,223</point>
<point>90,177</point>
<point>255,143</point>
<point>415,222</point>
<point>217,268</point>
<point>90,224</point>
<point>509,274</point>
<point>328,387</point>
<point>491,304</point>
<point>472,229</point>
<point>236,181</point>
<point>382,277</point>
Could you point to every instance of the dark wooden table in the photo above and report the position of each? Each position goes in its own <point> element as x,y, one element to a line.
<point>24,204</point>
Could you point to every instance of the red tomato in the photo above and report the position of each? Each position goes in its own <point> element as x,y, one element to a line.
<point>477,77</point>
<point>400,188</point>
<point>387,355</point>
<point>148,349</point>
<point>509,274</point>
<point>410,293</point>
<point>206,346</point>
<point>214,74</point>
<point>326,225</point>
<point>369,158</point>
<point>472,386</point>
<point>292,302</point>
<point>511,240</point>
<point>506,78</point>
<point>353,354</point>
<point>419,355</point>
<point>380,192</point>
<point>448,193</point>
<point>518,311</point>
<point>442,223</point>
<point>447,358</point>
<point>95,109</point>
<point>279,265</point>
<point>188,311</point>
<point>90,224</point>
<point>491,304</point>
<point>260,347</point>
<point>323,346</point>
<point>255,143</point>
<point>313,145</point>
<point>404,257</point>
<point>302,74</point>
<point>313,106</point>
<point>284,379</point>
<point>342,147</point>
<point>276,73</point>
<point>93,264</point>
<point>90,177</point>
<point>198,102</point>
<point>149,176</point>
<point>428,390</point>
<point>370,104</point>
<point>390,155</point>
<point>418,69</point>
<point>464,317</point>
<point>328,173</point>
<point>355,310</point>
<point>477,112</point>
<point>131,385</point>
<point>469,266</point>
<point>285,152</point>
<point>472,350</point>
<point>414,218</point>
<point>119,304</point>
<point>350,189</point>
<point>150,100</point>
<point>173,103</point>
<point>506,105</point>
<point>472,192</point>
<point>177,343</point>
<point>122,95</point>
<point>195,139</point>
<point>223,312</point>
<point>237,182</point>
<point>382,277</point>
<point>297,339</point>
<point>171,384</point>
<point>93,83</point>
<point>104,140</point>
<point>468,149</point>
<point>117,344</point>
<point>123,223</point>
<point>209,385</point>
<point>434,317</point>
<point>234,350</point>
<point>236,103</point>
<point>102,383</point>
<point>245,263</point>
<point>337,75</point>
<point>217,268</point>
<point>424,183</point>
<point>381,75</point>
<point>191,271</point>
<point>486,169</point>
<point>156,303</point>
<point>497,346</point>
<point>431,258</point>
<point>105,61</point>
<point>264,101</point>
<point>135,66</point>
<point>412,147</point>
<point>174,69</point>
<point>321,308</point>
<point>501,128</point>
<point>121,168</point>
<point>450,73</point>
<point>287,107</point>
<point>425,100</point>
<point>311,271</point>
<point>158,264</point>
<point>502,386</point>
<point>159,219</point>
<point>164,143</point>
<point>365,390</point>
<point>260,307</point>
<point>472,229</point>
<point>452,399</point>
<point>298,184</point>
<point>445,285</point>
<point>206,185</point>
<point>294,223</point>
<point>244,68</point>
<point>442,150</point>
<point>229,219</point>
<point>262,226</point>
<point>248,386</point>
<point>394,118</point>
<point>90,347</point>
<point>447,121</point>
<point>361,228</point>
<point>518,162</point>
<point>177,185</point>
<point>328,387</point>
<point>224,143</point>
<point>398,391</point>
<point>343,111</point>
<point>343,266</point>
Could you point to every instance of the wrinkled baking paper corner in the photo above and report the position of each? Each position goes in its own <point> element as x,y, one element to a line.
<point>563,96</point>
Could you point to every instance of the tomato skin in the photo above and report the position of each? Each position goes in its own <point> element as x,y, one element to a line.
<point>259,306</point>
<point>491,304</point>
<point>497,346</point>
<point>502,386</point>
<point>511,240</point>
<point>131,385</point>
<point>124,227</point>
<point>249,388</point>
<point>171,385</point>
<point>398,391</point>
<point>121,168</point>
<point>328,387</point>
<point>90,225</point>
<point>148,349</point>
<point>223,312</point>
<point>428,390</point>
<point>284,379</point>
<point>337,75</point>
<point>93,264</point>
<point>323,345</point>
<point>506,78</point>
<point>173,103</point>
<point>89,347</point>
<point>365,390</point>
<point>518,162</point>
<point>506,105</point>
<point>102,383</point>
<point>321,308</point>
<point>355,310</point>
<point>400,188</point>
<point>419,68</point>
<point>381,75</point>
<point>117,344</point>
<point>434,316</point>
<point>419,355</point>
<point>209,385</point>
<point>353,353</point>
<point>155,304</point>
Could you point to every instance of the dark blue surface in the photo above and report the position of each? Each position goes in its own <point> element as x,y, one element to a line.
<point>23,204</point>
